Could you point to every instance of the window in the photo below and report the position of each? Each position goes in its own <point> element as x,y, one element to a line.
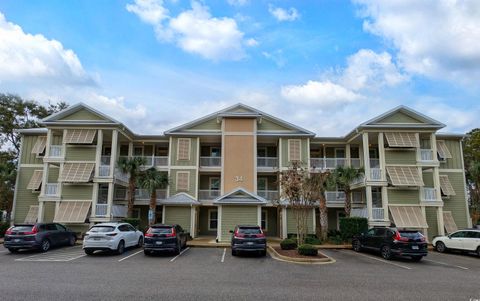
<point>472,234</point>
<point>371,232</point>
<point>77,172</point>
<point>214,183</point>
<point>459,234</point>
<point>445,186</point>
<point>379,231</point>
<point>74,212</point>
<point>107,150</point>
<point>60,227</point>
<point>212,219</point>
<point>340,153</point>
<point>183,150</point>
<point>39,147</point>
<point>264,220</point>
<point>183,180</point>
<point>262,151</point>
<point>51,227</point>
<point>449,223</point>
<point>262,184</point>
<point>131,228</point>
<point>138,151</point>
<point>294,150</point>
<point>215,152</point>
<point>123,228</point>
<point>36,180</point>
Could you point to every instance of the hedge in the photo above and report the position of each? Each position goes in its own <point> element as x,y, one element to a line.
<point>132,221</point>
<point>307,250</point>
<point>350,226</point>
<point>288,244</point>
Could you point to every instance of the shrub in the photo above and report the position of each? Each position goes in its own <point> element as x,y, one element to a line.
<point>336,240</point>
<point>350,226</point>
<point>313,240</point>
<point>288,244</point>
<point>307,250</point>
<point>3,228</point>
<point>132,221</point>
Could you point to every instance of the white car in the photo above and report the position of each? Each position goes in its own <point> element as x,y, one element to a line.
<point>111,237</point>
<point>464,240</point>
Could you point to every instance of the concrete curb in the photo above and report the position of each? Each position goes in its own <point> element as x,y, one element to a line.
<point>275,255</point>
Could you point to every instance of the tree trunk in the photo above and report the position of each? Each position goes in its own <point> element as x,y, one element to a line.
<point>323,219</point>
<point>131,196</point>
<point>348,203</point>
<point>153,207</point>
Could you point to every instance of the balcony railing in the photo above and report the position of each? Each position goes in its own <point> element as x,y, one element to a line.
<point>375,174</point>
<point>378,213</point>
<point>144,194</point>
<point>327,163</point>
<point>268,194</point>
<point>105,160</point>
<point>359,212</point>
<point>428,194</point>
<point>55,151</point>
<point>374,163</point>
<point>152,160</point>
<point>426,155</point>
<point>208,194</point>
<point>117,210</point>
<point>121,176</point>
<point>51,189</point>
<point>355,162</point>
<point>120,194</point>
<point>104,170</point>
<point>210,161</point>
<point>335,196</point>
<point>267,162</point>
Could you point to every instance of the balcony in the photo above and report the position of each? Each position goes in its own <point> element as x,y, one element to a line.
<point>428,194</point>
<point>426,155</point>
<point>104,170</point>
<point>51,189</point>
<point>271,162</point>
<point>143,194</point>
<point>375,174</point>
<point>55,151</point>
<point>374,163</point>
<point>378,214</point>
<point>355,162</point>
<point>117,210</point>
<point>270,195</point>
<point>334,197</point>
<point>210,161</point>
<point>208,194</point>
<point>327,163</point>
<point>152,161</point>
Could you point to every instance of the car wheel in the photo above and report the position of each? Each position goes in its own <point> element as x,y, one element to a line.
<point>234,253</point>
<point>12,250</point>
<point>89,252</point>
<point>264,253</point>
<point>416,258</point>
<point>45,245</point>
<point>478,251</point>
<point>121,247</point>
<point>440,247</point>
<point>179,248</point>
<point>72,240</point>
<point>140,242</point>
<point>386,252</point>
<point>356,245</point>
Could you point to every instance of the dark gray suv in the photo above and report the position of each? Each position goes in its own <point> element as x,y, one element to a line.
<point>41,236</point>
<point>248,238</point>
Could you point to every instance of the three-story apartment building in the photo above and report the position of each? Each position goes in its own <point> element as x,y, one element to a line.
<point>223,171</point>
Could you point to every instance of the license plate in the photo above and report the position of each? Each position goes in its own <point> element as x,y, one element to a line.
<point>414,247</point>
<point>96,238</point>
<point>158,242</point>
<point>16,240</point>
<point>249,243</point>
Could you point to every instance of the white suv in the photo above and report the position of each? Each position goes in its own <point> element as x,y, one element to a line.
<point>111,236</point>
<point>464,240</point>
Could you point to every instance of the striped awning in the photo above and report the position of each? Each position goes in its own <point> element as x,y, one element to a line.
<point>404,176</point>
<point>73,212</point>
<point>449,222</point>
<point>80,136</point>
<point>35,180</point>
<point>446,186</point>
<point>442,150</point>
<point>32,215</point>
<point>40,144</point>
<point>408,217</point>
<point>399,139</point>
<point>77,172</point>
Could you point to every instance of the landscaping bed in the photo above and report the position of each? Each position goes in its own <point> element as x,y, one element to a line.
<point>294,254</point>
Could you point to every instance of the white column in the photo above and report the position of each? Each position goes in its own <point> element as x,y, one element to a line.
<point>425,230</point>
<point>366,156</point>
<point>130,149</point>
<point>436,184</point>
<point>324,157</point>
<point>110,200</point>
<point>113,156</point>
<point>381,156</point>
<point>219,223</point>
<point>314,222</point>
<point>259,215</point>
<point>41,211</point>
<point>284,224</point>
<point>98,154</point>
<point>417,149</point>
<point>385,202</point>
<point>192,221</point>
<point>440,223</point>
<point>347,155</point>
<point>368,190</point>
<point>94,199</point>
<point>44,179</point>
<point>49,143</point>
<point>163,214</point>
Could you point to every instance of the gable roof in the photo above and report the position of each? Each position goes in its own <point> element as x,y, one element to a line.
<point>240,196</point>
<point>181,198</point>
<point>239,111</point>
<point>71,115</point>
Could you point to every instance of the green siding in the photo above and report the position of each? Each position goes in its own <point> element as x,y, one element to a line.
<point>53,173</point>
<point>403,196</point>
<point>399,118</point>
<point>304,151</point>
<point>211,124</point>
<point>80,153</point>
<point>272,227</point>
<point>456,203</point>
<point>77,192</point>
<point>291,223</point>
<point>456,161</point>
<point>267,125</point>
<point>237,215</point>
<point>428,179</point>
<point>173,182</point>
<point>83,115</point>
<point>400,157</point>
<point>27,145</point>
<point>24,197</point>
<point>56,140</point>
<point>431,213</point>
<point>193,153</point>
<point>49,212</point>
<point>178,215</point>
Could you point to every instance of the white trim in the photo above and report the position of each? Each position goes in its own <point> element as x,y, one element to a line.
<point>300,149</point>
<point>189,149</point>
<point>219,223</point>
<point>266,219</point>
<point>339,212</point>
<point>239,134</point>
<point>254,156</point>
<point>259,216</point>
<point>192,221</point>
<point>193,167</point>
<point>280,159</point>
<point>209,219</point>
<point>163,214</point>
<point>284,224</point>
<point>188,181</point>
<point>197,174</point>
<point>30,166</point>
<point>314,222</point>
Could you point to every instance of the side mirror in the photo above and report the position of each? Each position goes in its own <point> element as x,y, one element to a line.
<point>231,231</point>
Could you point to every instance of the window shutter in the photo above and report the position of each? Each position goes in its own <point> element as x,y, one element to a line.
<point>39,146</point>
<point>404,176</point>
<point>35,180</point>
<point>183,152</point>
<point>79,136</point>
<point>72,212</point>
<point>183,179</point>
<point>446,186</point>
<point>31,215</point>
<point>442,150</point>
<point>401,139</point>
<point>294,149</point>
<point>449,222</point>
<point>77,172</point>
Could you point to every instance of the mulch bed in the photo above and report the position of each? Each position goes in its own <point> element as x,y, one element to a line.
<point>294,254</point>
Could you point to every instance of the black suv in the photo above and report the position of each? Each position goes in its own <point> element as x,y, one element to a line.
<point>248,238</point>
<point>165,238</point>
<point>391,241</point>
<point>40,236</point>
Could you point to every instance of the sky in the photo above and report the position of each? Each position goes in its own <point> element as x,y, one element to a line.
<point>326,66</point>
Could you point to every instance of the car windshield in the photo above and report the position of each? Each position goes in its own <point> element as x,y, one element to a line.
<point>410,234</point>
<point>101,229</point>
<point>252,230</point>
<point>22,228</point>
<point>161,230</point>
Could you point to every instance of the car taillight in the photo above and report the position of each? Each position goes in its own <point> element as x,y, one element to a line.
<point>238,234</point>
<point>34,231</point>
<point>422,238</point>
<point>172,234</point>
<point>149,233</point>
<point>9,230</point>
<point>398,237</point>
<point>111,234</point>
<point>260,235</point>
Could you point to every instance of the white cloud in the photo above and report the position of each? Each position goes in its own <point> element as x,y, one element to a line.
<point>251,42</point>
<point>282,14</point>
<point>276,56</point>
<point>24,55</point>
<point>238,2</point>
<point>195,30</point>
<point>319,93</point>
<point>434,38</point>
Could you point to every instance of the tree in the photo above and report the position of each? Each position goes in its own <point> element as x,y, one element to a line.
<point>471,154</point>
<point>8,173</point>
<point>343,177</point>
<point>151,180</point>
<point>132,167</point>
<point>317,185</point>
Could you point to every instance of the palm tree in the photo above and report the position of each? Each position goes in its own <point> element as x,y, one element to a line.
<point>132,167</point>
<point>343,176</point>
<point>317,184</point>
<point>151,180</point>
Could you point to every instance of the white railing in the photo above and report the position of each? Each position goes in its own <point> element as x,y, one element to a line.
<point>101,210</point>
<point>375,174</point>
<point>119,211</point>
<point>105,160</point>
<point>151,160</point>
<point>120,194</point>
<point>426,155</point>
<point>378,213</point>
<point>206,194</point>
<point>267,161</point>
<point>51,189</point>
<point>374,163</point>
<point>335,196</point>
<point>429,194</point>
<point>104,170</point>
<point>210,161</point>
<point>55,151</point>
<point>160,160</point>
<point>357,197</point>
<point>144,194</point>
<point>355,162</point>
<point>326,163</point>
<point>359,212</point>
<point>121,176</point>
<point>268,194</point>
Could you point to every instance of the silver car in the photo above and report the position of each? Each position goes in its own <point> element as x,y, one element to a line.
<point>111,237</point>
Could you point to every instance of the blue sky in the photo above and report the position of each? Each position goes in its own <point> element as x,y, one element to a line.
<point>324,65</point>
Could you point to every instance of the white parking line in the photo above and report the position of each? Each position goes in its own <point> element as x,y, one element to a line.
<point>223,256</point>
<point>173,259</point>
<point>55,255</point>
<point>3,251</point>
<point>446,264</point>
<point>378,259</point>
<point>130,255</point>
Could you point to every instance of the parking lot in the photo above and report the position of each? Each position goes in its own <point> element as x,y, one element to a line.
<point>213,274</point>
